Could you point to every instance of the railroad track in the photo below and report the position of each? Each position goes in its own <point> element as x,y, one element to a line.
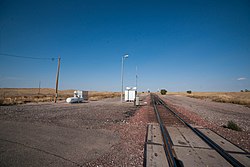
<point>166,117</point>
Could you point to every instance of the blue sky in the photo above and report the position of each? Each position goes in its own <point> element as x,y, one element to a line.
<point>178,45</point>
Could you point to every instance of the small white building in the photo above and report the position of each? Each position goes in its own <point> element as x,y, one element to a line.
<point>81,94</point>
<point>130,93</point>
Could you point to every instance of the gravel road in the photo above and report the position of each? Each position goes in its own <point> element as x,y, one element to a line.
<point>61,134</point>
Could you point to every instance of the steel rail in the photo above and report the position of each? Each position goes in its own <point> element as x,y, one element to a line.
<point>165,135</point>
<point>211,143</point>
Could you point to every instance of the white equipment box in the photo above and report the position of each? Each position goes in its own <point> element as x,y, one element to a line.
<point>130,93</point>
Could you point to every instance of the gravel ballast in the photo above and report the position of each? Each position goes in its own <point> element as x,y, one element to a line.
<point>215,116</point>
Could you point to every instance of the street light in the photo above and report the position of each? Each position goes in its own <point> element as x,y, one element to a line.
<point>123,58</point>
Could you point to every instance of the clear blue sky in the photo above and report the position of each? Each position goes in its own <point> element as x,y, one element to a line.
<point>201,45</point>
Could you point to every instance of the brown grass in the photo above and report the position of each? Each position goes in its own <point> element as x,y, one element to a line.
<point>242,98</point>
<point>11,96</point>
<point>93,96</point>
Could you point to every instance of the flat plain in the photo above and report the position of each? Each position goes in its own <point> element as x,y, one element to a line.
<point>242,98</point>
<point>103,131</point>
<point>12,96</point>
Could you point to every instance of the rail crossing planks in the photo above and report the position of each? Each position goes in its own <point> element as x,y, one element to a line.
<point>155,154</point>
<point>191,150</point>
<point>232,149</point>
<point>186,137</point>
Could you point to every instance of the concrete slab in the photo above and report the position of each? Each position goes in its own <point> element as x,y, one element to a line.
<point>232,149</point>
<point>186,137</point>
<point>177,137</point>
<point>155,156</point>
<point>154,134</point>
<point>223,143</point>
<point>244,159</point>
<point>199,157</point>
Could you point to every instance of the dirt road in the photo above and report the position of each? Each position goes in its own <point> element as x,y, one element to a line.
<point>62,134</point>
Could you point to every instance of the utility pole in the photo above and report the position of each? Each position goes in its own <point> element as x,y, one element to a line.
<point>39,87</point>
<point>57,77</point>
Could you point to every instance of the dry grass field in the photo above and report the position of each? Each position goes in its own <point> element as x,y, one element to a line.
<point>11,96</point>
<point>242,98</point>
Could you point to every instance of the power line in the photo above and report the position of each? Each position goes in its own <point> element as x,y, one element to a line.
<point>27,57</point>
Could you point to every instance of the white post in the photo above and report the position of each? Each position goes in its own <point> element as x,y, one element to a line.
<point>122,79</point>
<point>123,57</point>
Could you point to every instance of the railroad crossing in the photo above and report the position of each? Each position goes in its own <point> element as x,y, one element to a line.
<point>174,142</point>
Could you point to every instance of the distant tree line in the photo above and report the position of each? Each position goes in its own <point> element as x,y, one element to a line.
<point>164,91</point>
<point>246,90</point>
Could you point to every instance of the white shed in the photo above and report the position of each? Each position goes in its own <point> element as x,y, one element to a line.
<point>81,94</point>
<point>130,93</point>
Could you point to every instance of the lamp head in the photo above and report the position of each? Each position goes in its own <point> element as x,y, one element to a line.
<point>125,56</point>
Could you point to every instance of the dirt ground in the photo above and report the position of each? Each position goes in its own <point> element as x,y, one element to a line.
<point>103,133</point>
<point>85,134</point>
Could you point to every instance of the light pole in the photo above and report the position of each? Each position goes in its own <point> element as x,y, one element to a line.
<point>123,58</point>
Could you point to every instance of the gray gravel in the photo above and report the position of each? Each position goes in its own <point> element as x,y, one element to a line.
<point>61,134</point>
<point>218,113</point>
<point>215,115</point>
